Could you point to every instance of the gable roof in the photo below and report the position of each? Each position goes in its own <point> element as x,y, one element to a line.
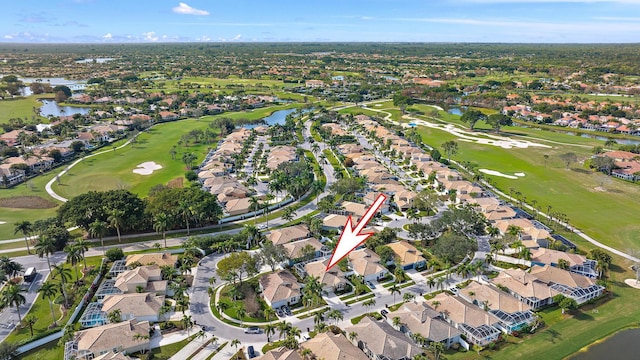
<point>285,235</point>
<point>406,253</point>
<point>495,299</point>
<point>111,335</point>
<point>548,256</point>
<point>281,285</point>
<point>421,319</point>
<point>281,353</point>
<point>138,304</point>
<point>462,312</point>
<point>318,269</point>
<point>159,259</point>
<point>365,262</point>
<point>382,339</point>
<point>330,346</point>
<point>294,249</point>
<point>139,275</point>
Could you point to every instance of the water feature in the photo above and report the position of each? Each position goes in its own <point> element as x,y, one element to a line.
<point>51,108</point>
<point>456,110</point>
<point>604,138</point>
<point>623,345</point>
<point>277,118</point>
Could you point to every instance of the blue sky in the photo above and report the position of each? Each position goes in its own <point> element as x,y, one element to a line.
<point>104,21</point>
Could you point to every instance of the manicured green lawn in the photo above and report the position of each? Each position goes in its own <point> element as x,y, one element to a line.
<point>114,170</point>
<point>606,215</point>
<point>21,108</point>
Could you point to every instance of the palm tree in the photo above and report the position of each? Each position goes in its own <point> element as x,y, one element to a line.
<point>115,316</point>
<point>49,291</point>
<point>318,318</point>
<point>82,246</point>
<point>29,321</point>
<point>115,220</point>
<point>26,228</point>
<point>408,297</point>
<point>97,229</point>
<point>254,205</point>
<point>184,209</point>
<point>283,328</point>
<point>288,213</point>
<point>269,330</point>
<point>45,247</point>
<point>336,315</point>
<point>73,257</point>
<point>65,275</point>
<point>241,313</point>
<point>235,343</point>
<point>397,322</point>
<point>141,338</point>
<point>306,353</point>
<point>187,322</point>
<point>435,304</point>
<point>295,332</point>
<point>265,205</point>
<point>394,290</point>
<point>11,295</point>
<point>160,224</point>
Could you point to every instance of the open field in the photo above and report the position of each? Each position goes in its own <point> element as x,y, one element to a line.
<point>21,108</point>
<point>114,170</point>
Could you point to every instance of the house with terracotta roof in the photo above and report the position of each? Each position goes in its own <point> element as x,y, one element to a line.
<point>330,346</point>
<point>160,259</point>
<point>525,287</point>
<point>332,280</point>
<point>139,306</point>
<point>237,206</point>
<point>571,285</point>
<point>577,263</point>
<point>513,314</point>
<point>281,353</point>
<point>288,234</point>
<point>280,288</point>
<point>528,231</point>
<point>168,115</point>
<point>366,263</point>
<point>334,222</point>
<point>148,278</point>
<point>379,340</point>
<point>477,325</point>
<point>420,318</point>
<point>304,250</point>
<point>118,337</point>
<point>407,255</point>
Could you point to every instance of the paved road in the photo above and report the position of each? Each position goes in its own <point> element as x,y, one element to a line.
<point>9,316</point>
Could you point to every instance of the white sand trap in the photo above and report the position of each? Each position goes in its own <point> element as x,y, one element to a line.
<point>147,168</point>
<point>496,173</point>
<point>633,283</point>
<point>378,105</point>
<point>519,174</point>
<point>2,222</point>
<point>476,137</point>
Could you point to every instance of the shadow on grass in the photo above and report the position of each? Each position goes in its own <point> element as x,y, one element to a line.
<point>581,171</point>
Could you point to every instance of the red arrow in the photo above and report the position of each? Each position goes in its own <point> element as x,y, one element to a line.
<point>351,237</point>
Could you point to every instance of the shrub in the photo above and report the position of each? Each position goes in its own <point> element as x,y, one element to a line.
<point>115,254</point>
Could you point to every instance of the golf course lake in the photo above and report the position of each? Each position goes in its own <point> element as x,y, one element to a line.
<point>277,118</point>
<point>623,345</point>
<point>51,108</point>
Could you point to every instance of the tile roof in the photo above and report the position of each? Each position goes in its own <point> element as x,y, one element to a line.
<point>330,346</point>
<point>382,339</point>
<point>281,285</point>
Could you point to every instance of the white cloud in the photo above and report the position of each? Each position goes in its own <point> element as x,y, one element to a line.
<point>185,9</point>
<point>8,36</point>
<point>108,36</point>
<point>237,37</point>
<point>150,36</point>
<point>203,38</point>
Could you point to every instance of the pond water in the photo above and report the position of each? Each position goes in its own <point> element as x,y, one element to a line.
<point>456,110</point>
<point>604,138</point>
<point>277,118</point>
<point>51,108</point>
<point>623,345</point>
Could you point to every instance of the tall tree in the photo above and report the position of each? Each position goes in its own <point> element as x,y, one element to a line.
<point>116,220</point>
<point>98,229</point>
<point>73,257</point>
<point>26,228</point>
<point>45,247</point>
<point>59,271</point>
<point>450,148</point>
<point>49,291</point>
<point>160,224</point>
<point>11,295</point>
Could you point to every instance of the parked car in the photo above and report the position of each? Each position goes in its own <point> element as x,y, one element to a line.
<point>251,352</point>
<point>286,310</point>
<point>252,330</point>
<point>280,313</point>
<point>370,284</point>
<point>384,313</point>
<point>262,226</point>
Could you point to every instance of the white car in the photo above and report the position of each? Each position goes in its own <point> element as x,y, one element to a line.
<point>262,226</point>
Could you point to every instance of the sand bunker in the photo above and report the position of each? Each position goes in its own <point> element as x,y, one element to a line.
<point>147,168</point>
<point>519,174</point>
<point>2,222</point>
<point>498,173</point>
<point>633,283</point>
<point>476,137</point>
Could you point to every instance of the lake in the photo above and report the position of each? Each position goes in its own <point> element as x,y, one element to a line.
<point>623,345</point>
<point>277,118</point>
<point>51,108</point>
<point>604,138</point>
<point>455,110</point>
